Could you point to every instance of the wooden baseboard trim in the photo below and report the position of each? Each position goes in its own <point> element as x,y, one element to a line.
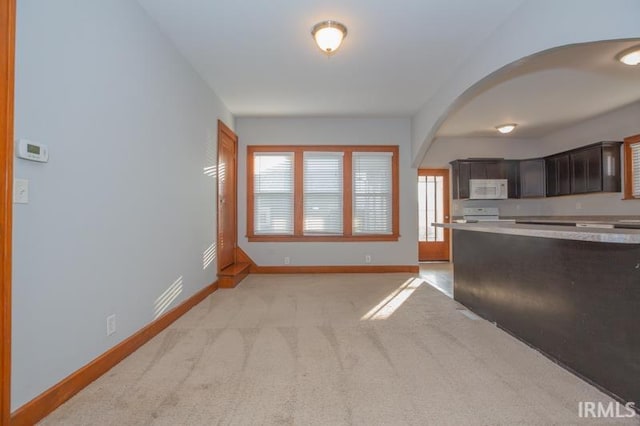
<point>243,257</point>
<point>38,408</point>
<point>339,269</point>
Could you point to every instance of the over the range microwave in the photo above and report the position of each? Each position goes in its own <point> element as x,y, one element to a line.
<point>488,189</point>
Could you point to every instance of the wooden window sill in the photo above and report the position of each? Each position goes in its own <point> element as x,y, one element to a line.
<point>320,239</point>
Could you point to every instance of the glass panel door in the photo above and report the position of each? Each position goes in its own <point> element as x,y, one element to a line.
<point>433,207</point>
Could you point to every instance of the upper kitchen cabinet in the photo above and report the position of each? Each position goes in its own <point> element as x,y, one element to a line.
<point>595,168</point>
<point>511,172</point>
<point>591,168</point>
<point>460,175</point>
<point>558,174</point>
<point>463,170</point>
<point>586,170</point>
<point>532,178</point>
<point>486,169</point>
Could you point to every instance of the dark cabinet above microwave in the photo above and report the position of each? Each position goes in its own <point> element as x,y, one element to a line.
<point>465,170</point>
<point>588,169</point>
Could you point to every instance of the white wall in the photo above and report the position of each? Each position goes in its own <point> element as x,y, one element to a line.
<point>123,208</point>
<point>612,126</point>
<point>444,150</point>
<point>326,131</point>
<point>537,25</point>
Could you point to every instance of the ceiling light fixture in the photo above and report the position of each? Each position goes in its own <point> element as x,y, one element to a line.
<point>630,56</point>
<point>506,128</point>
<point>329,35</point>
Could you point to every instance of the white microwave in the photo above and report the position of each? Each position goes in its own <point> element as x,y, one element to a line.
<point>488,189</point>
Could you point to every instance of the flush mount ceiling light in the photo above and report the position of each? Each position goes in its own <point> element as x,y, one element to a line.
<point>329,35</point>
<point>506,128</point>
<point>630,56</point>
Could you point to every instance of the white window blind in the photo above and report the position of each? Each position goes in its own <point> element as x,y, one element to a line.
<point>635,169</point>
<point>322,196</point>
<point>273,193</point>
<point>372,193</point>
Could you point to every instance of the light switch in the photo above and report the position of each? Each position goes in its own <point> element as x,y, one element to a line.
<point>21,191</point>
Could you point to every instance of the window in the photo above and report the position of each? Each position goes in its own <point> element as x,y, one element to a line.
<point>322,193</point>
<point>372,193</point>
<point>632,167</point>
<point>322,199</point>
<point>273,193</point>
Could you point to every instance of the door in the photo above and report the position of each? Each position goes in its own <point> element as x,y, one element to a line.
<point>433,206</point>
<point>227,209</point>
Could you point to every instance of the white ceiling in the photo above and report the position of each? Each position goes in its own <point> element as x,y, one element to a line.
<point>547,92</point>
<point>260,58</point>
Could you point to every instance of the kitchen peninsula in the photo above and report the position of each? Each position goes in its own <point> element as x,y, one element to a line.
<point>573,292</point>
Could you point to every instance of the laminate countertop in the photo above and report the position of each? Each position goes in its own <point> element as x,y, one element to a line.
<point>556,231</point>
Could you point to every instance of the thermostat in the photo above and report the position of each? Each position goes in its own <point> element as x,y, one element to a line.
<point>33,151</point>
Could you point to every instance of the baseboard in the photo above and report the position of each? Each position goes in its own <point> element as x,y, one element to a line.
<point>242,256</point>
<point>38,408</point>
<point>338,269</point>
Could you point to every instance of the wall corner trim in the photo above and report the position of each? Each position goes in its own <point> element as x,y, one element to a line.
<point>44,404</point>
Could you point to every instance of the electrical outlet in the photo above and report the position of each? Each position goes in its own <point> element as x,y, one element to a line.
<point>367,258</point>
<point>287,260</point>
<point>111,324</point>
<point>578,206</point>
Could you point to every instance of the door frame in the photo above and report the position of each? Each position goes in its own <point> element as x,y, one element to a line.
<point>7,70</point>
<point>224,129</point>
<point>446,197</point>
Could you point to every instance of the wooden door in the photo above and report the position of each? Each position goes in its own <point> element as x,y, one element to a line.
<point>227,208</point>
<point>433,206</point>
<point>7,33</point>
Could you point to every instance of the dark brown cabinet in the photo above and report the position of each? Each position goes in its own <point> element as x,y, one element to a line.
<point>486,170</point>
<point>460,175</point>
<point>511,172</point>
<point>463,170</point>
<point>532,178</point>
<point>586,170</point>
<point>558,175</point>
<point>591,168</point>
<point>596,168</point>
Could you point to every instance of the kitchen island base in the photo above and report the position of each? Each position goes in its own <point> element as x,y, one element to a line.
<point>578,302</point>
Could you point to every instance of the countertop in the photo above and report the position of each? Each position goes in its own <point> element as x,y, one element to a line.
<point>557,231</point>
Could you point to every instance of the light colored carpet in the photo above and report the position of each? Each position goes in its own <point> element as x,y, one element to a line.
<point>324,350</point>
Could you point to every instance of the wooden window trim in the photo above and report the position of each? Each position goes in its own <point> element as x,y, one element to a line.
<point>347,235</point>
<point>628,175</point>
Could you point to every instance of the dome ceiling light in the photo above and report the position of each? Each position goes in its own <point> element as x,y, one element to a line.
<point>329,35</point>
<point>506,128</point>
<point>630,56</point>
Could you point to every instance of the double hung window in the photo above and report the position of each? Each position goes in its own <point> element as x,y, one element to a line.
<point>322,193</point>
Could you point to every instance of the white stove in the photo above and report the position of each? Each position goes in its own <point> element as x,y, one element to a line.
<point>483,214</point>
